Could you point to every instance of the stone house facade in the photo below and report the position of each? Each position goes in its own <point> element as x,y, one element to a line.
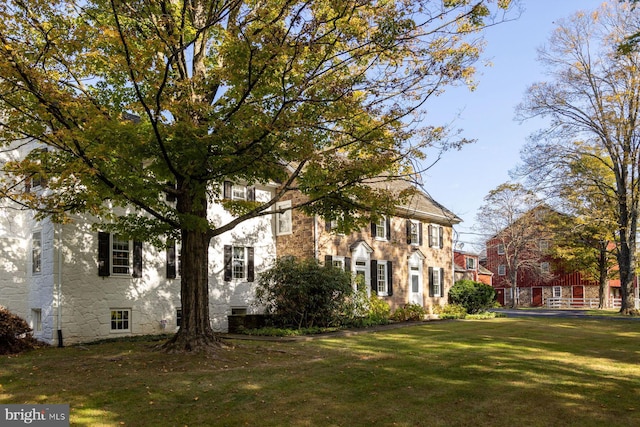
<point>73,283</point>
<point>407,258</point>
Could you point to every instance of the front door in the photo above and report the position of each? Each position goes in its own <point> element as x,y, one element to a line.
<point>536,297</point>
<point>415,284</point>
<point>500,296</point>
<point>577,295</point>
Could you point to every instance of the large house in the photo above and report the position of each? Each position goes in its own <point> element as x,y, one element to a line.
<point>76,283</point>
<point>403,259</point>
<point>541,279</point>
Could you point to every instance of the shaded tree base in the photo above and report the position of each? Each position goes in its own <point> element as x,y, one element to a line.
<point>630,312</point>
<point>183,342</point>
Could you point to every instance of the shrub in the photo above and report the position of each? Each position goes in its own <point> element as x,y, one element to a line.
<point>452,311</point>
<point>475,297</point>
<point>15,333</point>
<point>364,310</point>
<point>303,293</point>
<point>409,312</point>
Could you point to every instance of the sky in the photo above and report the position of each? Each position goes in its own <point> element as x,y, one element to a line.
<point>461,179</point>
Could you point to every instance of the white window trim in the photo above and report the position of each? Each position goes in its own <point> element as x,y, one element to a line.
<point>36,256</point>
<point>473,262</point>
<point>501,249</point>
<point>545,267</point>
<point>384,279</point>
<point>286,216</point>
<point>381,228</point>
<point>438,283</point>
<point>338,261</point>
<point>234,250</point>
<point>36,320</point>
<point>434,238</point>
<point>112,252</point>
<point>502,270</point>
<point>111,320</point>
<point>557,294</point>
<point>240,189</point>
<point>416,241</point>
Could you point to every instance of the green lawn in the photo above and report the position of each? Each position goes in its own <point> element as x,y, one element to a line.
<point>498,372</point>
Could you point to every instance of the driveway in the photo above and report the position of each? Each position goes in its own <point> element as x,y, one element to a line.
<point>548,312</point>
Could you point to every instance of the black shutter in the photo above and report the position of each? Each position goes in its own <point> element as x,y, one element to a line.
<point>137,258</point>
<point>374,276</point>
<point>441,236</point>
<point>103,254</point>
<point>431,293</point>
<point>327,225</point>
<point>347,264</point>
<point>430,233</point>
<point>251,194</point>
<point>171,259</point>
<point>374,230</point>
<point>408,226</point>
<point>388,225</point>
<point>250,265</point>
<point>227,262</point>
<point>442,282</point>
<point>420,233</point>
<point>327,260</point>
<point>389,278</point>
<point>226,191</point>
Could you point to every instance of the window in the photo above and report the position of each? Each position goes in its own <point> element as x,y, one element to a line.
<point>233,191</point>
<point>557,292</point>
<point>36,319</point>
<point>414,232</point>
<point>500,248</point>
<point>118,256</point>
<point>544,245</point>
<point>179,317</point>
<point>283,219</point>
<point>471,263</point>
<point>343,263</point>
<point>381,229</point>
<point>502,270</point>
<point>436,234</point>
<point>36,253</point>
<point>544,267</point>
<point>173,259</point>
<point>120,320</point>
<point>382,277</point>
<point>436,277</point>
<point>238,263</point>
<point>239,311</point>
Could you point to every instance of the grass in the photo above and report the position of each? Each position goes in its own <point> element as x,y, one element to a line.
<point>498,372</point>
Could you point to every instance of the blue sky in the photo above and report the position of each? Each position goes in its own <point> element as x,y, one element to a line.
<point>461,179</point>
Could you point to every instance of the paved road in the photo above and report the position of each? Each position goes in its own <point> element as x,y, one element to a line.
<point>545,312</point>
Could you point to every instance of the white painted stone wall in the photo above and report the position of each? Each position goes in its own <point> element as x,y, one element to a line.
<point>73,298</point>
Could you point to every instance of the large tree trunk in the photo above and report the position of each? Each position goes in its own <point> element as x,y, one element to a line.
<point>195,332</point>
<point>626,260</point>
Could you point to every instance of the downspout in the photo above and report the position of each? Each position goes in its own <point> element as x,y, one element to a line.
<point>58,230</point>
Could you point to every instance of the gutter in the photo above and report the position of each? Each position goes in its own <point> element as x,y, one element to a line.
<point>57,228</point>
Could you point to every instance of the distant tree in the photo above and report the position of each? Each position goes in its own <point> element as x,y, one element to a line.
<point>593,96</point>
<point>510,219</point>
<point>579,180</point>
<point>475,297</point>
<point>138,100</point>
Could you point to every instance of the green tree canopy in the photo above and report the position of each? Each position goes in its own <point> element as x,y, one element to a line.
<point>138,99</point>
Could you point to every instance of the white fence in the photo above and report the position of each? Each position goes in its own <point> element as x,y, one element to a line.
<point>581,302</point>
